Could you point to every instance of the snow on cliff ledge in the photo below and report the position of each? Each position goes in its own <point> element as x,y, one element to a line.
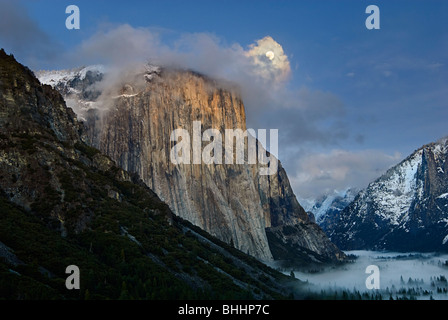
<point>58,77</point>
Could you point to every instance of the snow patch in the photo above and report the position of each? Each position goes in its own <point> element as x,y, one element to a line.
<point>57,77</point>
<point>126,95</point>
<point>151,71</point>
<point>445,240</point>
<point>335,201</point>
<point>395,193</point>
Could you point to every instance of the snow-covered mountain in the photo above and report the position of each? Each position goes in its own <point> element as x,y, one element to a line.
<point>406,209</point>
<point>66,78</point>
<point>329,204</point>
<point>78,86</point>
<point>82,87</point>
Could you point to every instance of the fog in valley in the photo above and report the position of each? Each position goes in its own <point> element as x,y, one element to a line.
<point>421,276</point>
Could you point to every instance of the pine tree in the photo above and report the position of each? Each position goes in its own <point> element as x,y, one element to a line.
<point>124,295</point>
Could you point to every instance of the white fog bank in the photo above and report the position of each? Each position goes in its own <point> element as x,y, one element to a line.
<point>414,275</point>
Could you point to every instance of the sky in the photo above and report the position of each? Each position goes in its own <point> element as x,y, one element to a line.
<point>349,102</point>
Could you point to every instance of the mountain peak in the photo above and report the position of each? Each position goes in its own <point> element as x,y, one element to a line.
<point>328,204</point>
<point>404,209</point>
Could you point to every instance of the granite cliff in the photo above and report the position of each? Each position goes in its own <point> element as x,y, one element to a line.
<point>64,203</point>
<point>132,122</point>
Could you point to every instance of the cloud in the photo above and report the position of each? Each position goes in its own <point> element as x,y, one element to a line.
<point>435,65</point>
<point>22,36</point>
<point>318,173</point>
<point>121,45</point>
<point>261,78</point>
<point>117,46</point>
<point>260,69</point>
<point>304,116</point>
<point>269,58</point>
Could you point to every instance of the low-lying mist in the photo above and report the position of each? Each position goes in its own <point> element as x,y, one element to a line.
<point>415,275</point>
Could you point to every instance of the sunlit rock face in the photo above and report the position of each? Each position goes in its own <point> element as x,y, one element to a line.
<point>133,123</point>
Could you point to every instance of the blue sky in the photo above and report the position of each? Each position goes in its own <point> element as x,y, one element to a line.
<point>367,98</point>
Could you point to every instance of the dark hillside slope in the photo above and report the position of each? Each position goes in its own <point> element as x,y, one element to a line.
<point>64,203</point>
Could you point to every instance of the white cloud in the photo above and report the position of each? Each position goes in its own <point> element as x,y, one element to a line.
<point>261,78</point>
<point>319,173</point>
<point>118,46</point>
<point>262,70</point>
<point>202,52</point>
<point>270,60</point>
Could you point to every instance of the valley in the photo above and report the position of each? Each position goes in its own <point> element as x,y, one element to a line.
<point>403,276</point>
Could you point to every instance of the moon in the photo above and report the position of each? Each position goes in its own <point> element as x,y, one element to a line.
<point>270,55</point>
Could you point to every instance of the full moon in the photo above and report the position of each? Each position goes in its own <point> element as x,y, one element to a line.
<point>270,55</point>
